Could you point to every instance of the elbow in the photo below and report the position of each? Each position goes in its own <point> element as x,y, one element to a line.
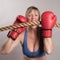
<point>4,52</point>
<point>49,51</point>
<point>7,52</point>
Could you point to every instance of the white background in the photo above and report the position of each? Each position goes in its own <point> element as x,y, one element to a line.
<point>9,9</point>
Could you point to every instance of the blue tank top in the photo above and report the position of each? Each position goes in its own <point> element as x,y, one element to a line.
<point>40,52</point>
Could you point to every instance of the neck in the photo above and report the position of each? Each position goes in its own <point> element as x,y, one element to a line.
<point>32,30</point>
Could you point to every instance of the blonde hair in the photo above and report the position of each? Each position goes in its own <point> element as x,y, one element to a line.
<point>30,9</point>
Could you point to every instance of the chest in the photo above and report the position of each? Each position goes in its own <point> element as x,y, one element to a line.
<point>32,36</point>
<point>32,42</point>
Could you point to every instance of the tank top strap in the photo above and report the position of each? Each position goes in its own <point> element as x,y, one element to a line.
<point>25,37</point>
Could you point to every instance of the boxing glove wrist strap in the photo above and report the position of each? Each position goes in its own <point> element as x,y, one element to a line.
<point>47,33</point>
<point>13,34</point>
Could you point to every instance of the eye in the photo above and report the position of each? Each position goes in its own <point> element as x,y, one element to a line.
<point>36,15</point>
<point>29,15</point>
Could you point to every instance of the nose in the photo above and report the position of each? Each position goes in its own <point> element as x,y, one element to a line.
<point>33,17</point>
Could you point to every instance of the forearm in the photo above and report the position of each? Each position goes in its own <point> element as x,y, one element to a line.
<point>7,47</point>
<point>48,45</point>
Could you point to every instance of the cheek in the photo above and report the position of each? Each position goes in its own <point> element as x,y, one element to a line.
<point>29,18</point>
<point>37,18</point>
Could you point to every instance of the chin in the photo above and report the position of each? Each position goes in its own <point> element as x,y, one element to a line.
<point>34,27</point>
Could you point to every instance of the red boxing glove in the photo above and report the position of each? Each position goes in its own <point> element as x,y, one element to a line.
<point>15,32</point>
<point>48,21</point>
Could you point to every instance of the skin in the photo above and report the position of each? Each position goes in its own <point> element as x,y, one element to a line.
<point>32,40</point>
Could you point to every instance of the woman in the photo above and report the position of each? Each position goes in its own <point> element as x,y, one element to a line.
<point>34,45</point>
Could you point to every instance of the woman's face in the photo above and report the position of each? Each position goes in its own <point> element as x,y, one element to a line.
<point>33,15</point>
